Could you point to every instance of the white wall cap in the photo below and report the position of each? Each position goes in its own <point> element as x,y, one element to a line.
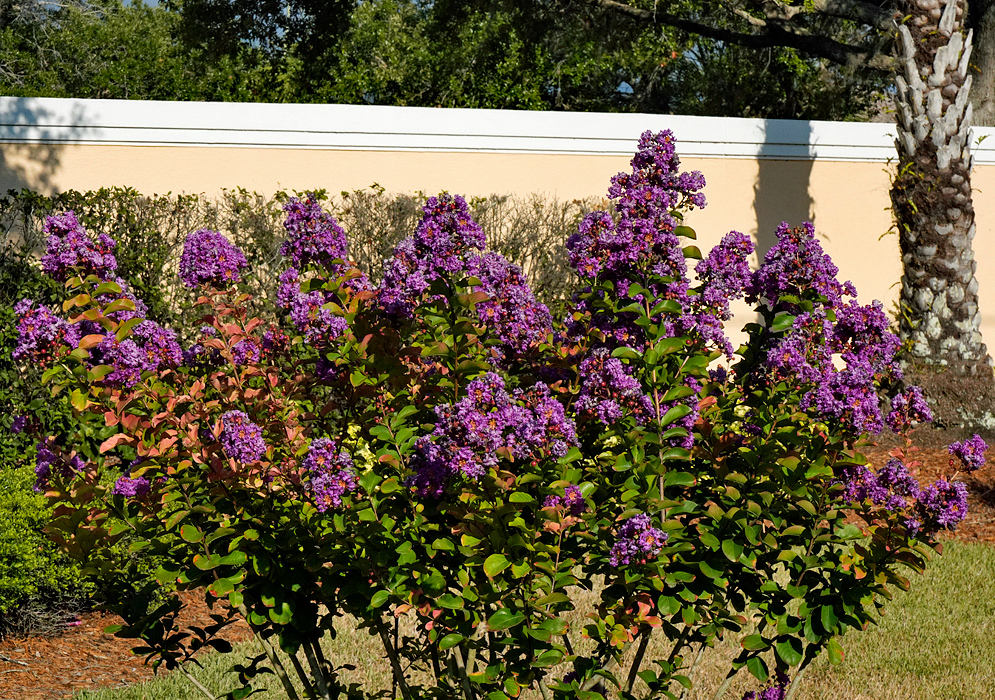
<point>367,127</point>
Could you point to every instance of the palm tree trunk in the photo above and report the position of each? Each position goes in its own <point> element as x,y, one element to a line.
<point>931,193</point>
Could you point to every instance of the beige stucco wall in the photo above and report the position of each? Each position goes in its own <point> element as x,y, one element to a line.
<point>848,201</point>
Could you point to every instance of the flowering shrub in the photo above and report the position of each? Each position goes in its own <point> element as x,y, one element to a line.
<point>434,448</point>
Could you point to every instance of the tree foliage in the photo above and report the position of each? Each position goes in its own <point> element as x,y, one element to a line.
<point>519,54</point>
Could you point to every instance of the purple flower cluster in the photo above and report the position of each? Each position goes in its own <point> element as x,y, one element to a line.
<point>40,333</point>
<point>331,474</point>
<point>158,344</point>
<point>794,266</point>
<point>908,409</point>
<point>572,501</point>
<point>777,691</point>
<point>18,424</point>
<point>241,438</point>
<point>858,335</point>
<point>723,275</point>
<point>942,505</point>
<point>637,541</point>
<point>970,452</point>
<point>310,312</point>
<point>49,462</point>
<point>642,245</point>
<point>608,392</point>
<point>70,250</point>
<point>210,259</point>
<point>512,314</point>
<point>939,506</point>
<point>443,238</point>
<point>131,488</point>
<point>246,352</point>
<point>313,236</point>
<point>468,435</point>
<point>893,487</point>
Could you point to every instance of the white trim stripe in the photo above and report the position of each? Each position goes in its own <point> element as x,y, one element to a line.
<point>376,128</point>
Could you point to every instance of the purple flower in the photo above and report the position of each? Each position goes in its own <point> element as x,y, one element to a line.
<point>942,505</point>
<point>318,323</point>
<point>908,409</point>
<point>512,314</point>
<point>468,434</point>
<point>158,344</point>
<point>723,275</point>
<point>18,424</point>
<point>971,453</point>
<point>40,333</point>
<point>608,392</point>
<point>71,252</point>
<point>642,245</point>
<point>49,463</point>
<point>246,352</point>
<point>241,438</point>
<point>637,541</point>
<point>127,359</point>
<point>210,259</point>
<point>331,474</point>
<point>131,488</point>
<point>795,266</point>
<point>443,238</point>
<point>572,501</point>
<point>313,236</point>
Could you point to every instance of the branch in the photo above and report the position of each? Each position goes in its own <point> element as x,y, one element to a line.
<point>777,30</point>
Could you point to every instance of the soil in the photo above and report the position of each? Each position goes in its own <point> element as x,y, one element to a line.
<point>49,668</point>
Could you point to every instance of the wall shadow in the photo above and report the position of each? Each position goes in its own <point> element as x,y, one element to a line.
<point>33,137</point>
<point>781,191</point>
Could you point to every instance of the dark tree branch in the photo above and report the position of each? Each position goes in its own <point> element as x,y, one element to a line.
<point>778,27</point>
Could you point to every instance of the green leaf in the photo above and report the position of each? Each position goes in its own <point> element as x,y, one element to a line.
<point>790,651</point>
<point>732,549</point>
<point>828,618</point>
<point>503,619</point>
<point>674,478</point>
<point>190,533</point>
<point>782,323</point>
<point>548,658</point>
<point>450,640</point>
<point>755,642</point>
<point>369,480</point>
<point>625,353</point>
<point>379,598</point>
<point>693,252</point>
<point>450,601</point>
<point>675,413</point>
<point>758,667</point>
<point>685,232</point>
<point>835,652</point>
<point>495,564</point>
<point>281,614</point>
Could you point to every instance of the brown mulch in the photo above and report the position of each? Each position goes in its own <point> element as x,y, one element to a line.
<point>48,668</point>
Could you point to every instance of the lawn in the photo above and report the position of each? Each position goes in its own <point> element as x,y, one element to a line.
<point>936,642</point>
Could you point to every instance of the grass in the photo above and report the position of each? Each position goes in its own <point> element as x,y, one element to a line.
<point>936,642</point>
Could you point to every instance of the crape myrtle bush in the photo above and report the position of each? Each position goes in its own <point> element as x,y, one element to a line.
<point>432,447</point>
<point>148,232</point>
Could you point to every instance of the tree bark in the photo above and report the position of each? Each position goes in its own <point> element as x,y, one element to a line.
<point>931,193</point>
<point>981,20</point>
